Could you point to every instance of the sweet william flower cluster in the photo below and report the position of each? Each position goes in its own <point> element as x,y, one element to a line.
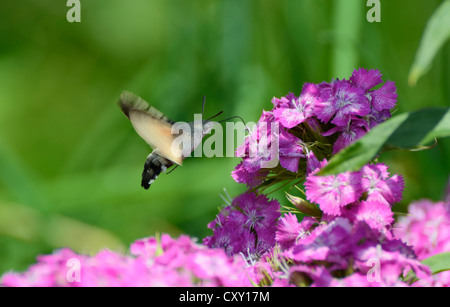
<point>152,262</point>
<point>346,235</point>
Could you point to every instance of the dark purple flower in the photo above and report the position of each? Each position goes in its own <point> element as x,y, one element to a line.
<point>290,151</point>
<point>251,177</point>
<point>349,134</point>
<point>366,79</point>
<point>312,163</point>
<point>330,243</point>
<point>377,117</point>
<point>385,97</point>
<point>247,226</point>
<point>341,103</point>
<point>259,211</point>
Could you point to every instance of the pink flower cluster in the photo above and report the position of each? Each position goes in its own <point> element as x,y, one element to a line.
<point>427,229</point>
<point>367,195</point>
<point>324,119</point>
<point>153,262</point>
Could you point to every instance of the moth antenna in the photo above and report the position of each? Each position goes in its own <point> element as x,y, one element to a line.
<point>203,106</point>
<point>214,116</point>
<point>236,116</point>
<point>243,121</point>
<point>172,169</point>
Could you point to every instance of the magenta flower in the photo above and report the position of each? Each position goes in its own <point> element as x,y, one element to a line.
<point>291,111</point>
<point>258,152</point>
<point>249,176</point>
<point>377,117</point>
<point>283,102</point>
<point>290,151</point>
<point>164,262</point>
<point>354,247</point>
<point>341,103</point>
<point>379,186</point>
<point>259,211</point>
<point>366,79</point>
<point>385,97</point>
<point>356,280</point>
<point>51,270</point>
<point>312,275</point>
<point>332,193</point>
<point>328,243</point>
<point>426,228</point>
<point>256,148</point>
<point>377,215</point>
<point>348,134</point>
<point>395,259</point>
<point>290,231</point>
<point>247,226</point>
<point>312,163</point>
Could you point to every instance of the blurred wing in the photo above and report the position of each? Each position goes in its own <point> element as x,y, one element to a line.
<point>157,133</point>
<point>129,101</point>
<point>151,125</point>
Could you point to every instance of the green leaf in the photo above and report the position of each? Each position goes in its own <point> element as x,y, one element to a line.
<point>438,263</point>
<point>435,35</point>
<point>406,131</point>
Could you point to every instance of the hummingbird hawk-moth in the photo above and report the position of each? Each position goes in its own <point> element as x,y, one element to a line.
<point>156,129</point>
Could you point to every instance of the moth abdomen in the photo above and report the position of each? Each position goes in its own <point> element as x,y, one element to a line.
<point>154,165</point>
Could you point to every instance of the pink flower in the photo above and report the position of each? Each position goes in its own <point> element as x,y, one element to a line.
<point>292,111</point>
<point>289,230</point>
<point>426,228</point>
<point>164,262</point>
<point>333,192</point>
<point>378,215</point>
<point>376,182</point>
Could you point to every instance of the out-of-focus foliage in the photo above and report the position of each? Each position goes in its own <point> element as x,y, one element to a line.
<point>70,162</point>
<point>436,33</point>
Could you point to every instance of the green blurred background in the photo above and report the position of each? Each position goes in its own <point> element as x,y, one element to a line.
<point>70,162</point>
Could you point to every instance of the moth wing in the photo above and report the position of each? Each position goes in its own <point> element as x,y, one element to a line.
<point>129,101</point>
<point>157,132</point>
